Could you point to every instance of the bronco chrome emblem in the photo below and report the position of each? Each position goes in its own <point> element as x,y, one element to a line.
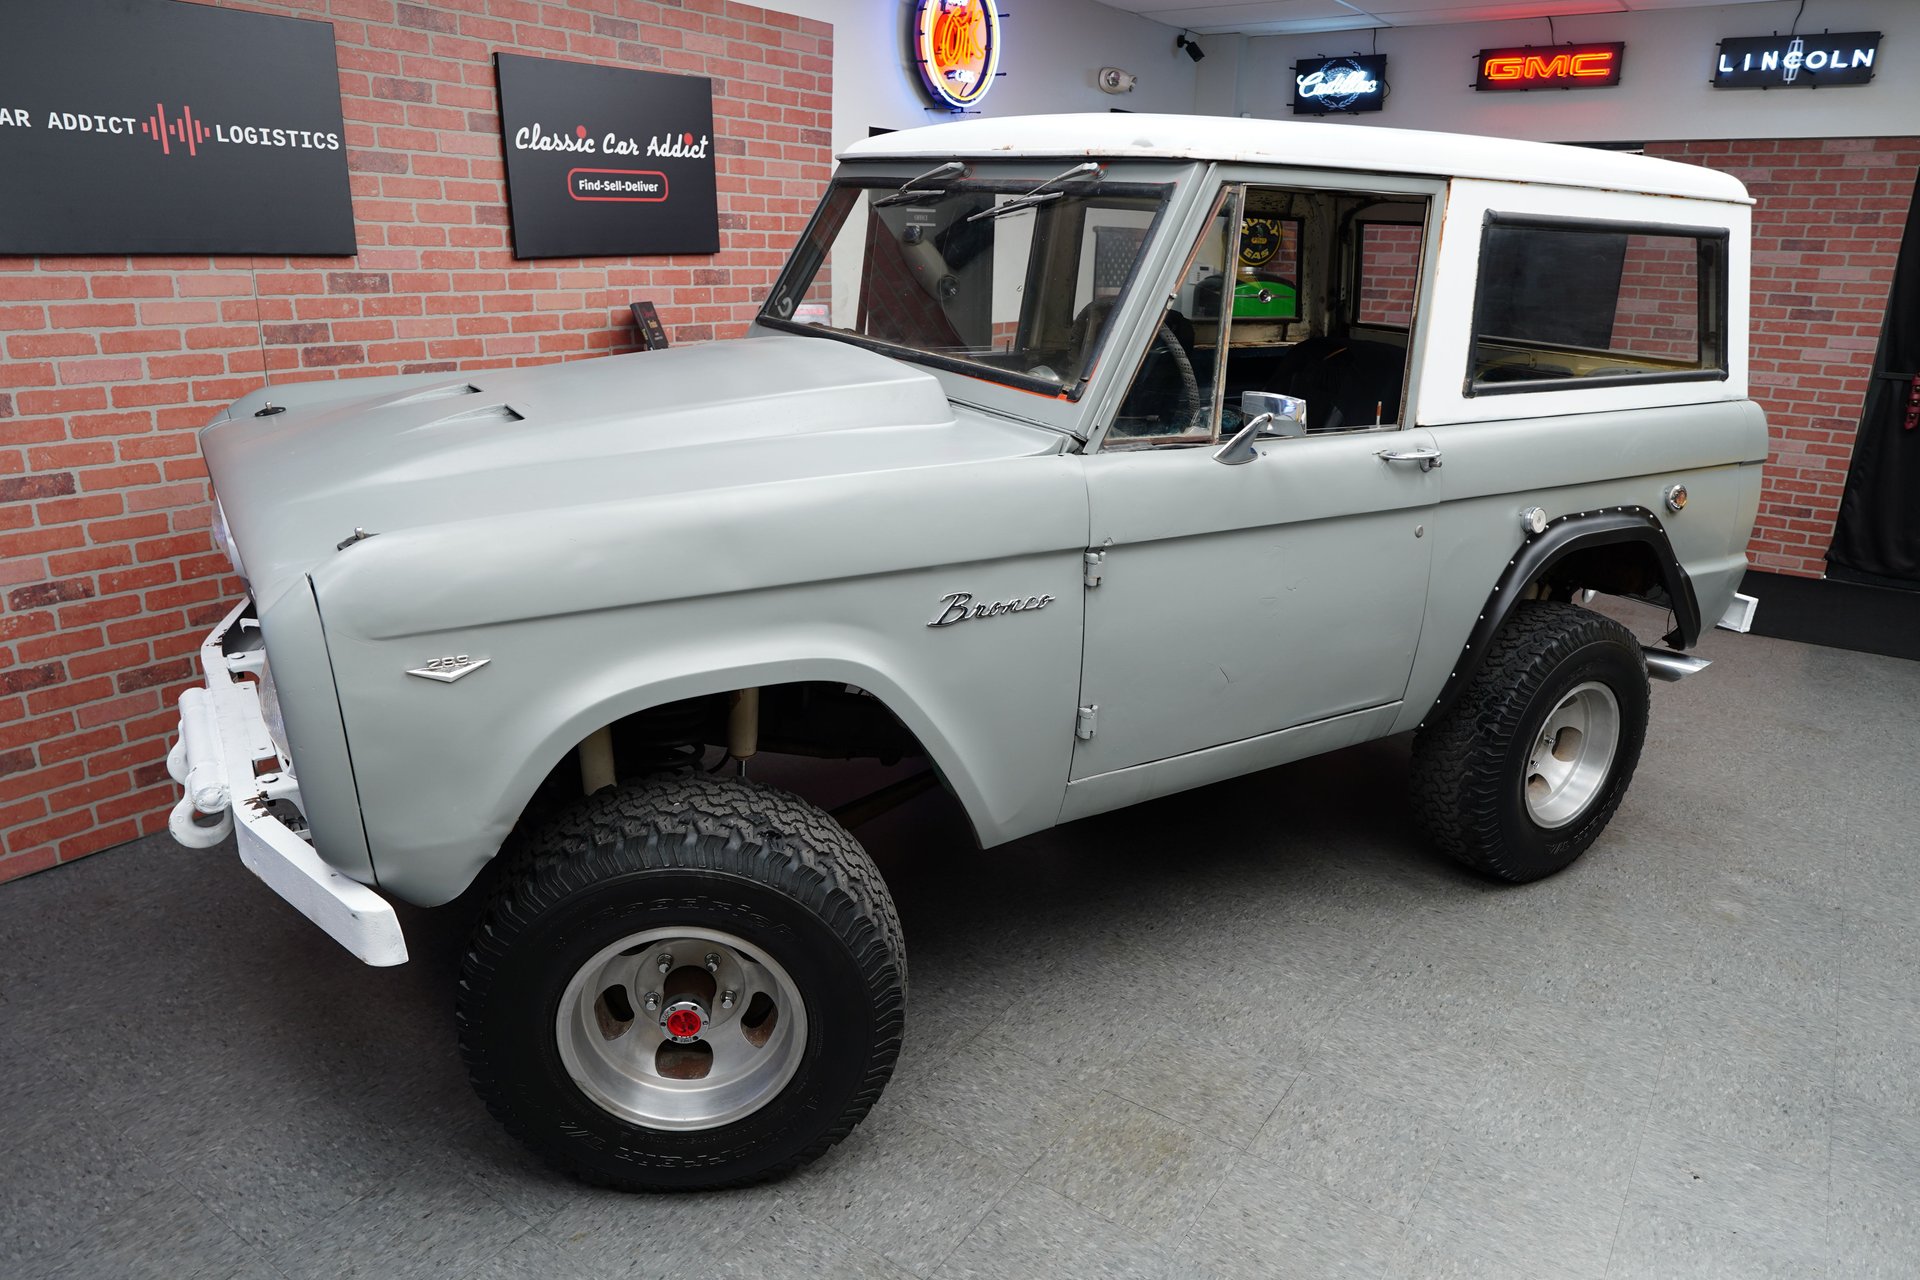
<point>447,670</point>
<point>961,608</point>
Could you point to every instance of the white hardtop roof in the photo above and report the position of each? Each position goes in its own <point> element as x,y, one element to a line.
<point>1121,135</point>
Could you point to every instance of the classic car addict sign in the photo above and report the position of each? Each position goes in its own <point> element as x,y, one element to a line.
<point>150,126</point>
<point>1559,66</point>
<point>1357,83</point>
<point>607,161</point>
<point>1800,62</point>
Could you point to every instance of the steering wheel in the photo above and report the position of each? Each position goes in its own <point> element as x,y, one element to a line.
<point>1188,409</point>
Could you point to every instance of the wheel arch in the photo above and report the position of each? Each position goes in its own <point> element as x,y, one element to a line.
<point>1618,550</point>
<point>592,706</point>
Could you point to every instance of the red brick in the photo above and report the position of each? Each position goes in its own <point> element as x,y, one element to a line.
<point>46,593</point>
<point>22,679</point>
<point>99,838</point>
<point>13,866</point>
<point>23,488</point>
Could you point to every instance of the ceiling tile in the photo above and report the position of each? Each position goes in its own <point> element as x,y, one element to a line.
<point>1262,17</point>
<point>1489,10</point>
<point>1267,17</point>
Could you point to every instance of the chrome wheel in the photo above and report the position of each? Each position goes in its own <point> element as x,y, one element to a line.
<point>1572,755</point>
<point>681,1028</point>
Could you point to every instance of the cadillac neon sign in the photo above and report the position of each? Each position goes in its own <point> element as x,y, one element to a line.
<point>957,45</point>
<point>1558,66</point>
<point>1357,83</point>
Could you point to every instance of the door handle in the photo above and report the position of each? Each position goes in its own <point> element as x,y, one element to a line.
<point>1427,458</point>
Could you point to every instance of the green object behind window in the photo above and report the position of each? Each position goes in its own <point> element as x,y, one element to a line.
<point>1265,300</point>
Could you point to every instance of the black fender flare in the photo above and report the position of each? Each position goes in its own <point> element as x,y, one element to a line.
<point>1575,531</point>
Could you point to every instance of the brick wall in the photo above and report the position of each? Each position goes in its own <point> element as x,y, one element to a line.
<point>108,576</point>
<point>1827,223</point>
<point>1389,273</point>
<point>1657,311</point>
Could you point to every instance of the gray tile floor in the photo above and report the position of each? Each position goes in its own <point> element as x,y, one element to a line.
<point>1250,1031</point>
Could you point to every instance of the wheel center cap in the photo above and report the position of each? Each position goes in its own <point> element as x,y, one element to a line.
<point>683,1021</point>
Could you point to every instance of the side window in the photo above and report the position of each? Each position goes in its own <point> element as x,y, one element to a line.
<point>1171,397</point>
<point>1387,274</point>
<point>1343,346</point>
<point>1308,293</point>
<point>1566,304</point>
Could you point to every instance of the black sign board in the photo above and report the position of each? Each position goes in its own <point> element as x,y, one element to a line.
<point>1796,62</point>
<point>607,161</point>
<point>152,126</point>
<point>1559,66</point>
<point>653,334</point>
<point>1356,83</point>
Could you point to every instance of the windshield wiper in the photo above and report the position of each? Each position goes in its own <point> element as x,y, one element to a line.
<point>1034,196</point>
<point>911,190</point>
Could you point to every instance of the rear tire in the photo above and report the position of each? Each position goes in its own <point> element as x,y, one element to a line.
<point>786,971</point>
<point>1525,770</point>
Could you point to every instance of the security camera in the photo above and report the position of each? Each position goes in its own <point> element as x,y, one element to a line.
<point>1189,46</point>
<point>1114,80</point>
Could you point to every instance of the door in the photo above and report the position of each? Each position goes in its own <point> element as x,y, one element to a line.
<point>1236,601</point>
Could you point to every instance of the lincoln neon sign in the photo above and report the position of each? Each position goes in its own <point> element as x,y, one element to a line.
<point>957,44</point>
<point>1559,66</point>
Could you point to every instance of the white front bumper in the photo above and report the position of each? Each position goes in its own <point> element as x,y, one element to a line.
<point>222,736</point>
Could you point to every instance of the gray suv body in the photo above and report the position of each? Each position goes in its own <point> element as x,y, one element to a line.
<point>1081,459</point>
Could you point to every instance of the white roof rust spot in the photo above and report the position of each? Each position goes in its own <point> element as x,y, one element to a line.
<point>1301,144</point>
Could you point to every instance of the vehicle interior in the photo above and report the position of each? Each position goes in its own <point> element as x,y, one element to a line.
<point>1323,296</point>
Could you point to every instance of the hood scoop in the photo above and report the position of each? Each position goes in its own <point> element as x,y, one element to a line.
<point>445,391</point>
<point>478,415</point>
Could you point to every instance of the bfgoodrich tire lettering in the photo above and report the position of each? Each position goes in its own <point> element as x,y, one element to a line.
<point>717,858</point>
<point>1470,768</point>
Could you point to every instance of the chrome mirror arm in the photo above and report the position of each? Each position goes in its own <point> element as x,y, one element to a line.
<point>1240,449</point>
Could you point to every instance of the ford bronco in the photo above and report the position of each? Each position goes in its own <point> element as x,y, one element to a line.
<point>1081,460</point>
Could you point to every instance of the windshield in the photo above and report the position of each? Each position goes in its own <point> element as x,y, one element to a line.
<point>1010,279</point>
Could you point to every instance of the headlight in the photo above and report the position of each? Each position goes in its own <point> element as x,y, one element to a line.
<point>223,538</point>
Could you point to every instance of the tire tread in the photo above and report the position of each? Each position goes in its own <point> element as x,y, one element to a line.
<point>683,821</point>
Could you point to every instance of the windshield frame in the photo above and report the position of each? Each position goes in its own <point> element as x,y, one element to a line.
<point>1012,178</point>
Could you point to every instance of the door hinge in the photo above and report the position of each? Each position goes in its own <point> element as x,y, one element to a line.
<point>1095,562</point>
<point>1083,724</point>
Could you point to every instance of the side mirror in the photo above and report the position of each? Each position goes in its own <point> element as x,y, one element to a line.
<point>1289,412</point>
<point>1268,415</point>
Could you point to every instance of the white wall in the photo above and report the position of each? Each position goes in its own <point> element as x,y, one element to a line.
<point>1663,91</point>
<point>1052,51</point>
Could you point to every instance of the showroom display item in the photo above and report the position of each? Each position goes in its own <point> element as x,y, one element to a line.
<point>161,128</point>
<point>1010,487</point>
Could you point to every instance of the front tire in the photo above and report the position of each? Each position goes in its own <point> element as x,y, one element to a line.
<point>1527,767</point>
<point>682,984</point>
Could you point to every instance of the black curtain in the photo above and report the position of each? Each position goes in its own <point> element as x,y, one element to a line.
<point>1877,536</point>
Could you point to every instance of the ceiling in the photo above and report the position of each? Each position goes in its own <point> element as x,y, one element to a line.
<point>1278,17</point>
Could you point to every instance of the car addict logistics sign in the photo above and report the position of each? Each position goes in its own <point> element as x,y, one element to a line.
<point>148,126</point>
<point>607,161</point>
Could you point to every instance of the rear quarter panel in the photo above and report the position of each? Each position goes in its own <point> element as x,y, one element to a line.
<point>1573,449</point>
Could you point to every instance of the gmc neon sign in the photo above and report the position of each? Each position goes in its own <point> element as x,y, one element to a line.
<point>1559,66</point>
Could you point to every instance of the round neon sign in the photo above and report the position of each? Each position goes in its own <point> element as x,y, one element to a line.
<point>957,44</point>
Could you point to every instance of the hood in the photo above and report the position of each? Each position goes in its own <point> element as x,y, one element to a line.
<point>395,454</point>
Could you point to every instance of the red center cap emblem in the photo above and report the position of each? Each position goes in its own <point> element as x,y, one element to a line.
<point>684,1023</point>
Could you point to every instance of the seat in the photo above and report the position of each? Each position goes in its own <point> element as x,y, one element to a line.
<point>1346,382</point>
